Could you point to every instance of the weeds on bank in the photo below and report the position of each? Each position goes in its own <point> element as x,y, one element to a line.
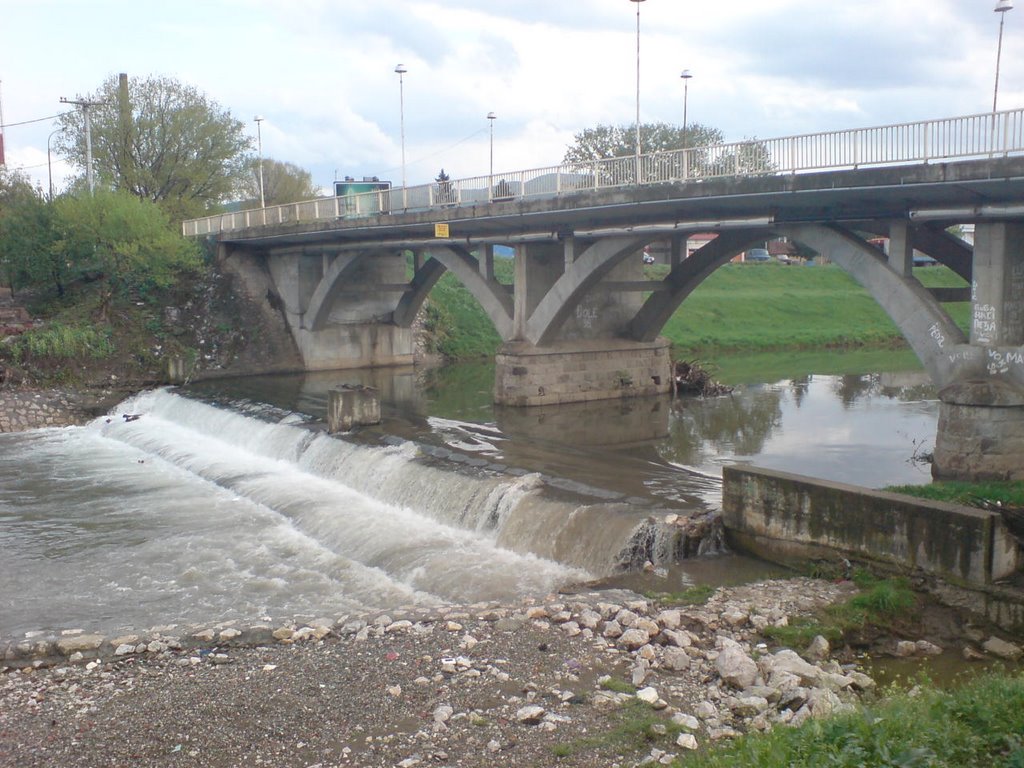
<point>695,595</point>
<point>979,724</point>
<point>879,603</point>
<point>1005,494</point>
<point>634,728</point>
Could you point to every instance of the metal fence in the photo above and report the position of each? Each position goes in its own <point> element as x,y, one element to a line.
<point>973,136</point>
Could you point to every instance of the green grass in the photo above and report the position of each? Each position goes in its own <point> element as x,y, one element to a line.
<point>880,603</point>
<point>634,728</point>
<point>978,724</point>
<point>971,494</point>
<point>615,685</point>
<point>64,342</point>
<point>768,306</point>
<point>740,307</point>
<point>695,595</point>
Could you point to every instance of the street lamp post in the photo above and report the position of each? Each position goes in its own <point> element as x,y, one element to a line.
<point>491,117</point>
<point>637,138</point>
<point>686,93</point>
<point>400,70</point>
<point>259,145</point>
<point>686,75</point>
<point>1002,6</point>
<point>49,164</point>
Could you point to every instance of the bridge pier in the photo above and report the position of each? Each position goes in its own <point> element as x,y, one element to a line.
<point>980,433</point>
<point>340,307</point>
<point>580,371</point>
<point>573,305</point>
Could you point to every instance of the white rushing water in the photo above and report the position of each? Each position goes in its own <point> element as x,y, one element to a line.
<point>172,509</point>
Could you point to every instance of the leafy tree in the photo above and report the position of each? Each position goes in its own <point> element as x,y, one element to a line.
<point>125,243</point>
<point>445,192</point>
<point>282,183</point>
<point>160,140</point>
<point>27,236</point>
<point>657,140</point>
<point>607,141</point>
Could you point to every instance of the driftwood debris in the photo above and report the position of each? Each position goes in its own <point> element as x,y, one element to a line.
<point>691,378</point>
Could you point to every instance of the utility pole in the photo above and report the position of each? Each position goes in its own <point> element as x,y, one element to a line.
<point>85,104</point>
<point>2,161</point>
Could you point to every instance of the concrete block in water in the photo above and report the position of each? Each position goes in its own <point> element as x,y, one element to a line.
<point>352,406</point>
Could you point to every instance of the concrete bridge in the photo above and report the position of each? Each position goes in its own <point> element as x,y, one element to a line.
<point>580,322</point>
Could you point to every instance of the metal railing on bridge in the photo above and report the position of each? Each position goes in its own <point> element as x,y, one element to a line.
<point>972,136</point>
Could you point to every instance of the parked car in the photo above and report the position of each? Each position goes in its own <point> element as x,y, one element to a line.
<point>757,254</point>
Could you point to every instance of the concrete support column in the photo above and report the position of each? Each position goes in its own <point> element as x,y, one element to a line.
<point>901,249</point>
<point>997,293</point>
<point>679,250</point>
<point>537,267</point>
<point>487,262</point>
<point>980,433</point>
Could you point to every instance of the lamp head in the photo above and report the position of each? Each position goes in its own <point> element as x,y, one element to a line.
<point>1002,6</point>
<point>491,116</point>
<point>686,75</point>
<point>400,69</point>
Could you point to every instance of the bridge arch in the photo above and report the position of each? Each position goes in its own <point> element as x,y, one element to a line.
<point>326,292</point>
<point>586,271</point>
<point>494,298</point>
<point>921,319</point>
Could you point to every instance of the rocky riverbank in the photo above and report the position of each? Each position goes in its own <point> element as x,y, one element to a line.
<point>477,685</point>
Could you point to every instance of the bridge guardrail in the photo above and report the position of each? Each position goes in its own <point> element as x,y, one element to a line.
<point>971,136</point>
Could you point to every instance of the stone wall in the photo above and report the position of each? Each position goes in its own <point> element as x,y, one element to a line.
<point>25,409</point>
<point>980,434</point>
<point>780,515</point>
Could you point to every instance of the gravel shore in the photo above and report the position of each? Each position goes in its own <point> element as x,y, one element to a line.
<point>478,685</point>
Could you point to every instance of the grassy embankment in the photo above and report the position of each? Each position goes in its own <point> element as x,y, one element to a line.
<point>740,308</point>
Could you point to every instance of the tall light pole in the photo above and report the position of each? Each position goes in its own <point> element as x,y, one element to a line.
<point>86,105</point>
<point>1002,6</point>
<point>401,70</point>
<point>637,88</point>
<point>686,92</point>
<point>49,164</point>
<point>491,117</point>
<point>259,145</point>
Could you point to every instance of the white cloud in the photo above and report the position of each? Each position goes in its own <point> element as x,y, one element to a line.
<point>321,71</point>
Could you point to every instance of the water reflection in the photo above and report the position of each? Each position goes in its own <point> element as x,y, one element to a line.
<point>861,428</point>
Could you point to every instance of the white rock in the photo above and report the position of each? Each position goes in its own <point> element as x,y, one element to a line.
<point>819,649</point>
<point>395,690</point>
<point>529,715</point>
<point>671,619</point>
<point>1003,649</point>
<point>788,662</point>
<point>905,648</point>
<point>443,713</point>
<point>571,628</point>
<point>686,741</point>
<point>675,659</point>
<point>612,630</point>
<point>648,695</point>
<point>683,720</point>
<point>677,638</point>
<point>589,619</point>
<point>626,618</point>
<point>634,639</point>
<point>735,667</point>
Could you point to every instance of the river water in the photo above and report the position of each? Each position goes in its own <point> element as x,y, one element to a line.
<point>228,499</point>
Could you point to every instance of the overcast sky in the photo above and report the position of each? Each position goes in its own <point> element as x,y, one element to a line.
<point>321,72</point>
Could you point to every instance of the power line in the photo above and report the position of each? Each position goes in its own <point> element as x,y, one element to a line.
<point>36,120</point>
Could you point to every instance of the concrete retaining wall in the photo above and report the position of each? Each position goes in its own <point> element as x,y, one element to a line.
<point>780,516</point>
